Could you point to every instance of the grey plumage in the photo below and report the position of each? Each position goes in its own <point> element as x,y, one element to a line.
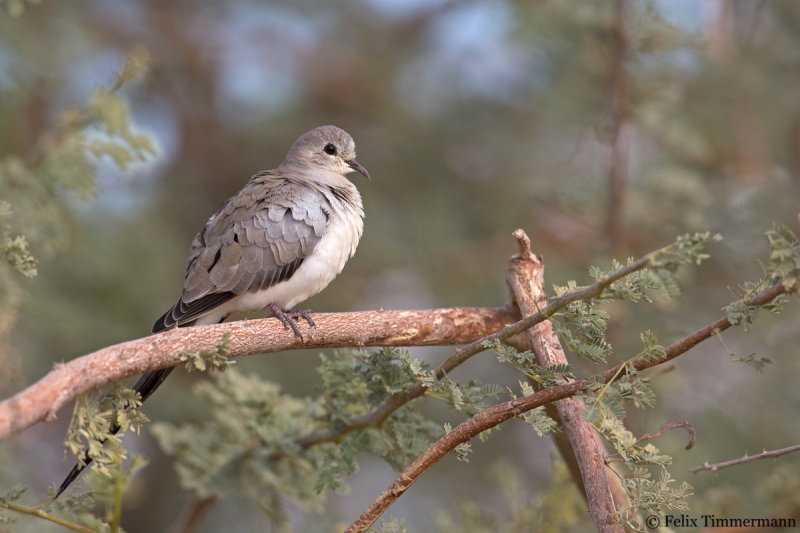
<point>263,235</point>
<point>257,240</point>
<point>277,242</point>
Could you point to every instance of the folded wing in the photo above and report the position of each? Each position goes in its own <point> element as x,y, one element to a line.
<point>259,239</point>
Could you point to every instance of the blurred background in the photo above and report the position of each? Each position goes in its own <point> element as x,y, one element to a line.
<point>604,129</point>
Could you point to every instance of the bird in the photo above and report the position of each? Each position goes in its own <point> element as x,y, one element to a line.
<point>277,242</point>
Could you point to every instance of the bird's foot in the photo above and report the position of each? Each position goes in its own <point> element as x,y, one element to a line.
<point>305,314</point>
<point>289,318</point>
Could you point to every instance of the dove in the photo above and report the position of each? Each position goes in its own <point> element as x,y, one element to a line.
<point>279,241</point>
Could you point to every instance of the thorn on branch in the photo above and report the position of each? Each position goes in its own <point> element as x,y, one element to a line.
<point>746,459</point>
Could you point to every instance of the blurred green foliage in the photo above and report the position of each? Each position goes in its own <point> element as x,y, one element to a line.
<point>36,209</point>
<point>556,510</point>
<point>475,117</point>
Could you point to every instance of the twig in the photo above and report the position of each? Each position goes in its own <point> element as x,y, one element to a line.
<point>193,515</point>
<point>471,427</point>
<point>672,425</point>
<point>499,413</point>
<point>118,494</point>
<point>525,277</point>
<point>33,511</point>
<point>746,459</point>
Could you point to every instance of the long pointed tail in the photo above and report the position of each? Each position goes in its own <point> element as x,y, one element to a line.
<point>146,386</point>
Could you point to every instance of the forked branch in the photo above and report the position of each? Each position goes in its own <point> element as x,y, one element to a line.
<point>501,412</point>
<point>525,277</point>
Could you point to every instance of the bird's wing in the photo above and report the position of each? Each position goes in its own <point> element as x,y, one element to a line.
<point>259,238</point>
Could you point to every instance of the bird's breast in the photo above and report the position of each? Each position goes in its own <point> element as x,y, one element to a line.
<point>322,265</point>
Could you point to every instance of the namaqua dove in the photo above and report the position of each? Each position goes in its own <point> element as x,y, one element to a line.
<point>279,241</point>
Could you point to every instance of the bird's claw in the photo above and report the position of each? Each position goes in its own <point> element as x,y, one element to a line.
<point>289,318</point>
<point>305,314</point>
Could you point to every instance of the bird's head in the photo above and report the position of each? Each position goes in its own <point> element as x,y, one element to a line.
<point>326,147</point>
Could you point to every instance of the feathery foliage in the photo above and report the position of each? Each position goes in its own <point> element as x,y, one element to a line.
<point>557,509</point>
<point>35,211</point>
<point>210,359</point>
<point>247,443</point>
<point>96,415</point>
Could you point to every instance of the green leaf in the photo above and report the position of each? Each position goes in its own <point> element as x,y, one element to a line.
<point>540,422</point>
<point>784,259</point>
<point>213,358</point>
<point>92,428</point>
<point>13,493</point>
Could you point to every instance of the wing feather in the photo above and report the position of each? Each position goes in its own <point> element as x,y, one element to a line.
<point>258,239</point>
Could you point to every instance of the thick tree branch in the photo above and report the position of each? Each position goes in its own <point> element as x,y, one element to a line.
<point>499,413</point>
<point>765,454</point>
<point>66,381</point>
<point>525,277</point>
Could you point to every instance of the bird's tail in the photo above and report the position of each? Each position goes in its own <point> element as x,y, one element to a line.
<point>146,385</point>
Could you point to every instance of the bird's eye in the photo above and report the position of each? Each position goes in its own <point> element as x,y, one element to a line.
<point>330,149</point>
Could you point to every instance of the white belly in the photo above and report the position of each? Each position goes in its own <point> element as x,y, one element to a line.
<point>325,262</point>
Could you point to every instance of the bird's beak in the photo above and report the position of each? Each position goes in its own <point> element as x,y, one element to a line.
<point>358,167</point>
